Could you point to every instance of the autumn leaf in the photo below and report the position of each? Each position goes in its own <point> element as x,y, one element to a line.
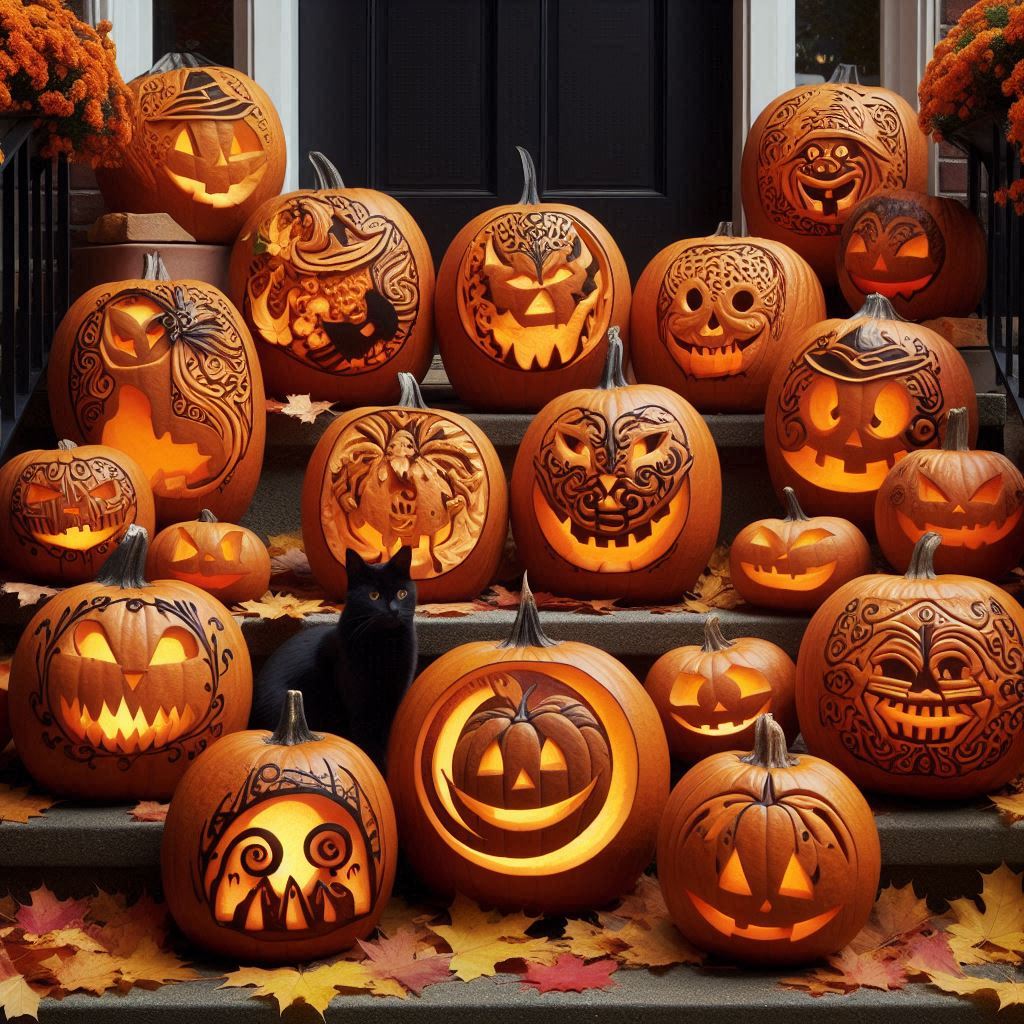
<point>449,610</point>
<point>291,560</point>
<point>149,810</point>
<point>1011,807</point>
<point>590,941</point>
<point>990,928</point>
<point>570,974</point>
<point>398,915</point>
<point>74,937</point>
<point>276,606</point>
<point>18,804</point>
<point>150,966</point>
<point>898,911</point>
<point>1006,992</point>
<point>288,986</point>
<point>45,913</point>
<point>402,958</point>
<point>28,594</point>
<point>658,944</point>
<point>304,409</point>
<point>18,998</point>
<point>278,543</point>
<point>84,971</point>
<point>929,954</point>
<point>847,971</point>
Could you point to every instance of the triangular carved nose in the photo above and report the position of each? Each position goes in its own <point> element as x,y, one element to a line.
<point>133,679</point>
<point>880,263</point>
<point>854,440</point>
<point>608,482</point>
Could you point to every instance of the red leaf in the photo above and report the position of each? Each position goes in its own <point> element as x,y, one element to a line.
<point>45,913</point>
<point>930,954</point>
<point>149,810</point>
<point>405,959</point>
<point>570,974</point>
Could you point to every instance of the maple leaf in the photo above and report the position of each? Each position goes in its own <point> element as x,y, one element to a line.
<point>449,610</point>
<point>1011,807</point>
<point>287,985</point>
<point>84,971</point>
<point>898,911</point>
<point>276,606</point>
<point>149,966</point>
<point>149,810</point>
<point>119,927</point>
<point>1008,992</point>
<point>927,954</point>
<point>304,409</point>
<point>398,915</point>
<point>291,560</point>
<point>17,804</point>
<point>75,938</point>
<point>847,971</point>
<point>28,593</point>
<point>590,941</point>
<point>279,543</point>
<point>404,959</point>
<point>570,974</point>
<point>658,944</point>
<point>18,998</point>
<point>45,913</point>
<point>989,928</point>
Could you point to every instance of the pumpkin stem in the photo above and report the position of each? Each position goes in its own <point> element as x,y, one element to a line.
<point>292,728</point>
<point>153,268</point>
<point>206,516</point>
<point>530,196</point>
<point>956,431</point>
<point>770,749</point>
<point>724,228</point>
<point>526,630</point>
<point>713,638</point>
<point>613,376</point>
<point>845,74</point>
<point>126,567</point>
<point>176,61</point>
<point>66,445</point>
<point>327,175</point>
<point>922,559</point>
<point>794,513</point>
<point>876,307</point>
<point>521,713</point>
<point>409,394</point>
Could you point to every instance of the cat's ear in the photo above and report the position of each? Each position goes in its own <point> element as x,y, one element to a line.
<point>354,564</point>
<point>401,560</point>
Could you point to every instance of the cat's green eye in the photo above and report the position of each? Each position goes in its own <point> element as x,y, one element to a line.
<point>403,594</point>
<point>374,595</point>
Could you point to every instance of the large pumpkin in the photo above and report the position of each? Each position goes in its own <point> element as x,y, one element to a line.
<point>337,285</point>
<point>167,372</point>
<point>64,511</point>
<point>767,857</point>
<point>279,847</point>
<point>818,150</point>
<point>207,147</point>
<point>528,773</point>
<point>914,685</point>
<point>925,254</point>
<point>616,491</point>
<point>525,296</point>
<point>853,397</point>
<point>117,685</point>
<point>405,475</point>
<point>709,316</point>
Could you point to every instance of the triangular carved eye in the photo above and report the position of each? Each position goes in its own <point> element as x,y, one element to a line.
<point>175,646</point>
<point>764,537</point>
<point>796,882</point>
<point>492,763</point>
<point>551,757</point>
<point>928,490</point>
<point>91,642</point>
<point>231,545</point>
<point>989,491</point>
<point>104,491</point>
<point>813,536</point>
<point>184,546</point>
<point>733,878</point>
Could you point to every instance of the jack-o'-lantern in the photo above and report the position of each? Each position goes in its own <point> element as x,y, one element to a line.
<point>167,372</point>
<point>818,150</point>
<point>528,773</point>
<point>207,148</point>
<point>279,847</point>
<point>63,512</point>
<point>794,563</point>
<point>925,254</point>
<point>117,685</point>
<point>525,296</point>
<point>973,500</point>
<point>616,491</point>
<point>710,695</point>
<point>223,559</point>
<point>914,685</point>
<point>768,858</point>
<point>405,475</point>
<point>853,397</point>
<point>337,287</point>
<point>5,715</point>
<point>710,314</point>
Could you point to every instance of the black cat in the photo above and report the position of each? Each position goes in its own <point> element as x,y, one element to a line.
<point>352,674</point>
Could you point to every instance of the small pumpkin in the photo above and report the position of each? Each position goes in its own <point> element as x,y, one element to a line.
<point>710,314</point>
<point>768,858</point>
<point>616,491</point>
<point>914,684</point>
<point>528,772</point>
<point>223,559</point>
<point>711,695</point>
<point>64,511</point>
<point>337,285</point>
<point>117,685</point>
<point>405,475</point>
<point>279,847</point>
<point>525,296</point>
<point>794,563</point>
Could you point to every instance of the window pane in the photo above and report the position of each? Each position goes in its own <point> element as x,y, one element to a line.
<point>830,33</point>
<point>206,28</point>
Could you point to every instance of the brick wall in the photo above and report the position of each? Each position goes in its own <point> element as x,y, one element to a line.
<point>952,163</point>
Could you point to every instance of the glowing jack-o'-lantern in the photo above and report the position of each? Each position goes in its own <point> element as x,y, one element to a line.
<point>207,148</point>
<point>851,398</point>
<point>117,685</point>
<point>914,684</point>
<point>337,286</point>
<point>709,696</point>
<point>601,491</point>
<point>528,773</point>
<point>818,150</point>
<point>63,512</point>
<point>405,475</point>
<point>279,847</point>
<point>167,372</point>
<point>709,314</point>
<point>766,857</point>
<point>525,296</point>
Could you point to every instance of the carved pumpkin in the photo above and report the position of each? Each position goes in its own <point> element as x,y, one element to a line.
<point>972,499</point>
<point>405,475</point>
<point>914,685</point>
<point>223,559</point>
<point>337,286</point>
<point>63,512</point>
<point>925,254</point>
<point>279,847</point>
<point>767,857</point>
<point>528,773</point>
<point>794,563</point>
<point>709,696</point>
<point>117,685</point>
<point>165,371</point>
<point>525,296</point>
<point>207,148</point>
<point>851,398</point>
<point>5,715</point>
<point>818,150</point>
<point>710,314</point>
<point>616,491</point>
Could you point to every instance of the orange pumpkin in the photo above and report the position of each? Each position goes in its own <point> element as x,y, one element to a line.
<point>337,286</point>
<point>616,491</point>
<point>5,715</point>
<point>207,148</point>
<point>709,316</point>
<point>64,511</point>
<point>405,475</point>
<point>525,296</point>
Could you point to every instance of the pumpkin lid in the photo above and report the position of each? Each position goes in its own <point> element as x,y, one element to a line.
<point>794,513</point>
<point>126,567</point>
<point>327,175</point>
<point>922,559</point>
<point>526,630</point>
<point>613,376</point>
<point>770,749</point>
<point>153,267</point>
<point>530,196</point>
<point>713,638</point>
<point>956,431</point>
<point>409,394</point>
<point>292,728</point>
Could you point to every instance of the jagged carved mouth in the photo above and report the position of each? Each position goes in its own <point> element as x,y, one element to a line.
<point>966,536</point>
<point>729,927</point>
<point>231,196</point>
<point>123,731</point>
<point>828,198</point>
<point>712,360</point>
<point>925,715</point>
<point>77,538</point>
<point>555,345</point>
<point>891,289</point>
<point>851,475</point>
<point>263,909</point>
<point>810,578</point>
<point>722,726</point>
<point>213,581</point>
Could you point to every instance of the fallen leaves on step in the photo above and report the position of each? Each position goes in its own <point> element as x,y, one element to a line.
<point>990,928</point>
<point>278,543</point>
<point>287,986</point>
<point>19,803</point>
<point>1010,801</point>
<point>276,606</point>
<point>1006,991</point>
<point>304,409</point>
<point>848,971</point>
<point>292,562</point>
<point>46,913</point>
<point>403,958</point>
<point>570,974</point>
<point>149,810</point>
<point>898,914</point>
<point>28,594</point>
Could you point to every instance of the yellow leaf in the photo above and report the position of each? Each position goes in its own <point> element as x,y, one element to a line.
<point>73,937</point>
<point>591,942</point>
<point>150,966</point>
<point>994,931</point>
<point>18,998</point>
<point>659,945</point>
<point>897,911</point>
<point>1011,807</point>
<point>28,593</point>
<point>17,804</point>
<point>276,606</point>
<point>287,986</point>
<point>1009,993</point>
<point>279,543</point>
<point>304,409</point>
<point>84,971</point>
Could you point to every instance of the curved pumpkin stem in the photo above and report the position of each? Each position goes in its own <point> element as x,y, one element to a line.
<point>292,728</point>
<point>126,567</point>
<point>876,307</point>
<point>725,229</point>
<point>845,74</point>
<point>522,715</point>
<point>770,749</point>
<point>713,638</point>
<point>613,376</point>
<point>526,630</point>
<point>177,61</point>
<point>956,431</point>
<point>327,175</point>
<point>206,516</point>
<point>794,513</point>
<point>66,445</point>
<point>530,196</point>
<point>922,559</point>
<point>153,268</point>
<point>409,394</point>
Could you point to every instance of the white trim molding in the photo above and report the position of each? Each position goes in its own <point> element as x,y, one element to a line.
<point>132,32</point>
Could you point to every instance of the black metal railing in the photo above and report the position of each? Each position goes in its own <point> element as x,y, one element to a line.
<point>35,260</point>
